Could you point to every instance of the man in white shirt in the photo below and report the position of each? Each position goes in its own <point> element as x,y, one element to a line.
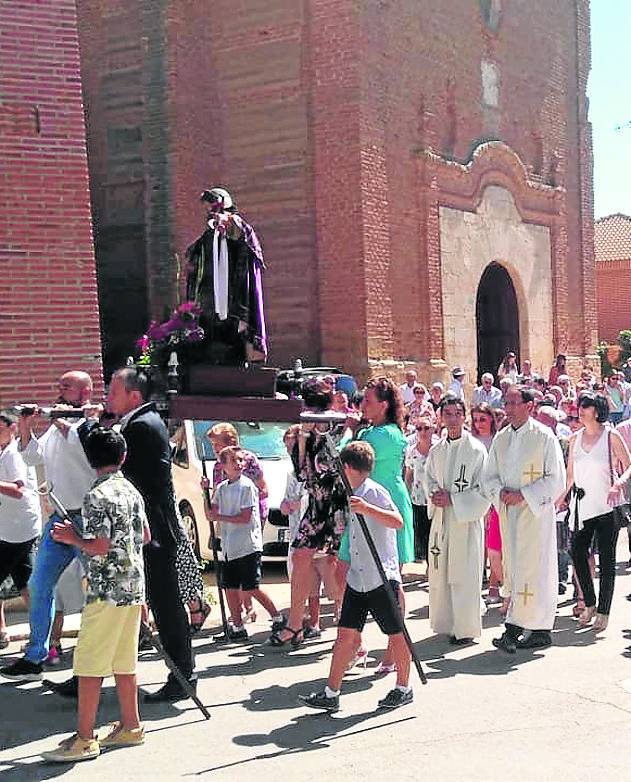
<point>60,451</point>
<point>20,514</point>
<point>365,592</point>
<point>407,389</point>
<point>456,387</point>
<point>487,392</point>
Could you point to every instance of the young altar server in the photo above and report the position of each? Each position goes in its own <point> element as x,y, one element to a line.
<point>456,505</point>
<point>524,476</point>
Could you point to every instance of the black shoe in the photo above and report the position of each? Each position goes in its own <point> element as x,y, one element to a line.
<point>319,700</point>
<point>535,639</point>
<point>562,588</point>
<point>67,689</point>
<point>396,698</point>
<point>169,693</point>
<point>22,671</point>
<point>237,633</point>
<point>505,643</point>
<point>459,641</point>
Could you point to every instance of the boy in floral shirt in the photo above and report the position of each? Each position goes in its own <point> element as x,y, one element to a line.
<point>115,529</point>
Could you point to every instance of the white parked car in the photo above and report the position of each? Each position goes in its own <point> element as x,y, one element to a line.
<point>190,446</point>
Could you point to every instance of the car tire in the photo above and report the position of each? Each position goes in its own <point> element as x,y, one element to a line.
<point>190,527</point>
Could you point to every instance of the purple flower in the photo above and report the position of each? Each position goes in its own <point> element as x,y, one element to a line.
<point>142,344</point>
<point>191,308</point>
<point>196,335</point>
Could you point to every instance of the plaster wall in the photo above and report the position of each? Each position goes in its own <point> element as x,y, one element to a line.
<point>469,242</point>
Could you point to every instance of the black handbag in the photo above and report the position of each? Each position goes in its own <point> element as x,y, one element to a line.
<point>622,512</point>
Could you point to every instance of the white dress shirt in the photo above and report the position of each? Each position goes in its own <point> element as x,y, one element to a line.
<point>68,472</point>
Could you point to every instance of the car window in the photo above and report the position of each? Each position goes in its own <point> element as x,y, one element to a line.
<point>265,440</point>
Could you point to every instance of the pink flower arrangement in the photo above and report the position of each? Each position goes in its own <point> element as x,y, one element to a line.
<point>182,328</point>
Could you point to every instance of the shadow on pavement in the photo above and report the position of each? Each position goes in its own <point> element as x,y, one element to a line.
<point>305,734</point>
<point>278,698</point>
<point>37,713</point>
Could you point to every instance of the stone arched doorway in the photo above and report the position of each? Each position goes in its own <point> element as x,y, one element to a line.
<point>497,318</point>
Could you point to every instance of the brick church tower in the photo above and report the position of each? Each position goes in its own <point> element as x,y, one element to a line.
<point>420,173</point>
<point>49,319</point>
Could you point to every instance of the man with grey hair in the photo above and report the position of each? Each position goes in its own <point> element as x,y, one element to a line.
<point>487,392</point>
<point>407,389</point>
<point>148,467</point>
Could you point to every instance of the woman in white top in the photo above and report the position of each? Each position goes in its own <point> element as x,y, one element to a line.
<point>592,450</point>
<point>415,459</point>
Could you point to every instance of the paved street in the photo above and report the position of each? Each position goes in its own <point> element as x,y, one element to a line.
<point>564,714</point>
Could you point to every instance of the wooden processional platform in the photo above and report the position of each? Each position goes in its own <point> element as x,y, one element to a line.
<point>213,393</point>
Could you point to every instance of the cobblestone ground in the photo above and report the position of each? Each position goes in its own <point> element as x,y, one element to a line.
<point>562,714</point>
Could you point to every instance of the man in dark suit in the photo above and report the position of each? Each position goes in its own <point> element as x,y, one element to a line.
<point>148,467</point>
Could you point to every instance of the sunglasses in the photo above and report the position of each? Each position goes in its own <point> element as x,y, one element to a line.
<point>572,418</point>
<point>424,428</point>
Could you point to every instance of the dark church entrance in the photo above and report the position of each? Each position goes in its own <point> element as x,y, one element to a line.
<point>497,318</point>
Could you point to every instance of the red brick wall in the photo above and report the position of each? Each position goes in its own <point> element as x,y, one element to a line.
<point>239,112</point>
<point>48,299</point>
<point>613,287</point>
<point>421,71</point>
<point>315,115</point>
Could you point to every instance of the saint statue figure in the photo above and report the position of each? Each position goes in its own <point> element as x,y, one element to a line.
<point>224,279</point>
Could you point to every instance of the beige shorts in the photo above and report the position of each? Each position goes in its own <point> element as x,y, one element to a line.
<point>108,640</point>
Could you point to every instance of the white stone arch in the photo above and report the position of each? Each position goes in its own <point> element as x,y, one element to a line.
<point>469,242</point>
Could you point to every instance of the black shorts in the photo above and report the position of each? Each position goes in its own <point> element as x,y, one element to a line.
<point>16,560</point>
<point>357,605</point>
<point>243,573</point>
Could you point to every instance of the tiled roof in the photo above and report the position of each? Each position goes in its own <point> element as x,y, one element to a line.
<point>612,237</point>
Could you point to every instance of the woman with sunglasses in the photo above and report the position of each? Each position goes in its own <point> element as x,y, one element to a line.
<point>596,453</point>
<point>419,408</point>
<point>415,459</point>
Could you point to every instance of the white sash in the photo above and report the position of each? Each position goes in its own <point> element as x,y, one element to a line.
<point>220,275</point>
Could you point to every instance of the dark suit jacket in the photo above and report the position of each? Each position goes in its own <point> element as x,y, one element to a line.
<point>148,467</point>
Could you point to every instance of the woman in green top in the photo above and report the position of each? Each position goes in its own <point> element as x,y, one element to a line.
<point>382,406</point>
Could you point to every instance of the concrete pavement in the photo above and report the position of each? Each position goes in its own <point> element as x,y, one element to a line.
<point>561,714</point>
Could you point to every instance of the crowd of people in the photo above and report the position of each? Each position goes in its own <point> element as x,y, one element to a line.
<point>497,493</point>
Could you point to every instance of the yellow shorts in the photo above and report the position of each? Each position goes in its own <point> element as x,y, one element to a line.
<point>108,640</point>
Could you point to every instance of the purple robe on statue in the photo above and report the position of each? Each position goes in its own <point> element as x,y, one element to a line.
<point>241,335</point>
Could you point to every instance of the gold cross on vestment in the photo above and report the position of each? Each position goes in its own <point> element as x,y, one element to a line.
<point>525,594</point>
<point>532,473</point>
<point>435,551</point>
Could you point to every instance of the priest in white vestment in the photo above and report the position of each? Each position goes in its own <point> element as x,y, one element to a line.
<point>456,505</point>
<point>524,476</point>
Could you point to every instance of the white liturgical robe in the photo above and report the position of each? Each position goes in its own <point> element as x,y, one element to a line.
<point>528,459</point>
<point>456,538</point>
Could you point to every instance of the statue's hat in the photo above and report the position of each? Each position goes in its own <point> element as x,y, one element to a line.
<point>217,194</point>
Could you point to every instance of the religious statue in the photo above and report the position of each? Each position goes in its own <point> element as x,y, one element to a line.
<point>224,280</point>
